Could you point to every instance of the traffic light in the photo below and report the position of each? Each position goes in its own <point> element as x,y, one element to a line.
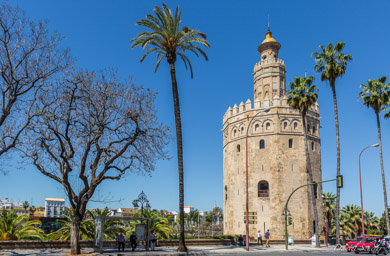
<point>289,221</point>
<point>339,181</point>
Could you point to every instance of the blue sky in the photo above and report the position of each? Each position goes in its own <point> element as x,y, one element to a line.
<point>98,34</point>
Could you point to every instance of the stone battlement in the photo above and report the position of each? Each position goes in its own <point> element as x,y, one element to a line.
<point>258,105</point>
<point>268,61</point>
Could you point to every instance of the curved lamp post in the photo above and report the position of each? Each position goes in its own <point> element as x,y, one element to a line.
<point>142,199</point>
<point>246,177</point>
<point>360,178</point>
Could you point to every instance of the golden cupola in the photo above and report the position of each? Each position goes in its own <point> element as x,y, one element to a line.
<point>269,48</point>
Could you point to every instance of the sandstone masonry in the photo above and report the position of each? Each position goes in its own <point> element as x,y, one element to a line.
<point>275,153</point>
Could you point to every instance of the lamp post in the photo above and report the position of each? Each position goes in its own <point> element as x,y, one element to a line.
<point>246,177</point>
<point>142,199</point>
<point>360,178</point>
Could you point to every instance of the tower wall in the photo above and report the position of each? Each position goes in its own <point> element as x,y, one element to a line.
<point>279,162</point>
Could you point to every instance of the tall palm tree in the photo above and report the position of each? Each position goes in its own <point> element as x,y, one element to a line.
<point>376,94</point>
<point>332,64</point>
<point>26,205</point>
<point>32,210</point>
<point>169,41</point>
<point>13,227</point>
<point>302,95</point>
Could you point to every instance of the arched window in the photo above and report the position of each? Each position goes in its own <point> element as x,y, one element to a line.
<point>267,126</point>
<point>308,128</point>
<point>225,192</point>
<point>238,148</point>
<point>262,144</point>
<point>314,130</point>
<point>263,189</point>
<point>313,146</point>
<point>295,126</point>
<point>235,132</point>
<point>257,126</point>
<point>285,125</point>
<point>242,130</point>
<point>290,143</point>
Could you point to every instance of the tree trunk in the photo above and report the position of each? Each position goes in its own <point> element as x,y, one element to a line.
<point>309,171</point>
<point>383,174</point>
<point>182,245</point>
<point>336,117</point>
<point>74,235</point>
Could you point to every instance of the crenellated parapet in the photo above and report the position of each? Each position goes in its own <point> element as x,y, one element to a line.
<point>261,64</point>
<point>257,106</point>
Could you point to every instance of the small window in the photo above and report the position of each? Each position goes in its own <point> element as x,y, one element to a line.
<point>242,130</point>
<point>295,126</point>
<point>313,146</point>
<point>225,192</point>
<point>308,129</point>
<point>290,143</point>
<point>238,148</point>
<point>314,129</point>
<point>235,132</point>
<point>315,187</point>
<point>267,126</point>
<point>262,144</point>
<point>263,189</point>
<point>285,125</point>
<point>257,126</point>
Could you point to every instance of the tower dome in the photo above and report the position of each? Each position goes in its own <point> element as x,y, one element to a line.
<point>270,44</point>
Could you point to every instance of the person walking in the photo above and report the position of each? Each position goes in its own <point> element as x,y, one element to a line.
<point>267,236</point>
<point>152,241</point>
<point>121,242</point>
<point>133,241</point>
<point>240,240</point>
<point>259,238</point>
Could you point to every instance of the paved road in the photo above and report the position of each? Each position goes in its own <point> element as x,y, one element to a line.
<point>296,253</point>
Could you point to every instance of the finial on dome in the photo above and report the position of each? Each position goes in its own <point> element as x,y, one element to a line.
<point>268,24</point>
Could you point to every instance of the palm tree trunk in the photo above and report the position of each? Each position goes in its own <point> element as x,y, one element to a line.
<point>336,117</point>
<point>309,171</point>
<point>74,235</point>
<point>179,141</point>
<point>383,173</point>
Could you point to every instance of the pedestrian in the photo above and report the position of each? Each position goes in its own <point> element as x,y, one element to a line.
<point>133,241</point>
<point>151,241</point>
<point>267,236</point>
<point>121,242</point>
<point>259,238</point>
<point>155,237</point>
<point>240,240</point>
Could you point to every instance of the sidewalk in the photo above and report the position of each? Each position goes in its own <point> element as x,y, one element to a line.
<point>195,250</point>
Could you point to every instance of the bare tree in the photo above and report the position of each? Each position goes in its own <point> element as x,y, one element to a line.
<point>92,128</point>
<point>29,56</point>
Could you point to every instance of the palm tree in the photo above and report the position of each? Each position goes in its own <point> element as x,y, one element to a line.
<point>371,222</point>
<point>26,205</point>
<point>302,96</point>
<point>332,64</point>
<point>376,94</point>
<point>32,210</point>
<point>168,41</point>
<point>158,223</point>
<point>329,207</point>
<point>13,227</point>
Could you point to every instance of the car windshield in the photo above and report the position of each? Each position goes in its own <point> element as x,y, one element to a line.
<point>370,240</point>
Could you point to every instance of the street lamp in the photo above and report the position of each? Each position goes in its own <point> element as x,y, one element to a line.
<point>142,199</point>
<point>360,178</point>
<point>246,177</point>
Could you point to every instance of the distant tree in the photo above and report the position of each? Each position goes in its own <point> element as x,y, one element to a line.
<point>30,56</point>
<point>376,94</point>
<point>332,64</point>
<point>302,96</point>
<point>26,205</point>
<point>32,210</point>
<point>158,223</point>
<point>169,41</point>
<point>93,128</point>
<point>13,227</point>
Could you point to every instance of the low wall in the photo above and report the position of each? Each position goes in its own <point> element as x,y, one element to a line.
<point>56,244</point>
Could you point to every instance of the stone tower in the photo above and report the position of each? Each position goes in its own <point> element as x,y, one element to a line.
<point>269,134</point>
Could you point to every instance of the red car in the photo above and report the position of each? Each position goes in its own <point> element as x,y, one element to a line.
<point>350,246</point>
<point>365,245</point>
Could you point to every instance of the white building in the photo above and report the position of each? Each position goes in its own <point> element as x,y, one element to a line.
<point>6,204</point>
<point>188,209</point>
<point>54,207</point>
